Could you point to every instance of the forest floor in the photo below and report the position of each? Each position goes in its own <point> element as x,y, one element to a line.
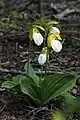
<point>14,55</point>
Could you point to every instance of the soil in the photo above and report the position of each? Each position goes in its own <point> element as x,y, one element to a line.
<point>14,54</point>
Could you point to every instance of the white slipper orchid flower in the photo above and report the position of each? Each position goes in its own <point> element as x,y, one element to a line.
<point>42,59</point>
<point>38,38</point>
<point>56,45</point>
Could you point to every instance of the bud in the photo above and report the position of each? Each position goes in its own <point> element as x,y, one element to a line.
<point>42,59</point>
<point>44,50</point>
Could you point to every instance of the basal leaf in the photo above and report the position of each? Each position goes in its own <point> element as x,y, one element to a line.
<point>57,84</point>
<point>29,87</point>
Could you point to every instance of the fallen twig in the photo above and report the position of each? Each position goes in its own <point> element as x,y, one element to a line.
<point>13,71</point>
<point>1,110</point>
<point>70,32</point>
<point>37,110</point>
<point>5,63</point>
<point>66,12</point>
<point>22,36</point>
<point>70,24</point>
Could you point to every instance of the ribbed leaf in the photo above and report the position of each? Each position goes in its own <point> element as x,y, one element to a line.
<point>57,84</point>
<point>29,87</point>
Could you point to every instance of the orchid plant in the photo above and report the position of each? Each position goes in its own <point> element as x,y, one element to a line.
<point>41,89</point>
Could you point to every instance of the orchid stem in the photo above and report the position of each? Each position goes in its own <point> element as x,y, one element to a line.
<point>41,71</point>
<point>46,61</point>
<point>45,37</point>
<point>29,57</point>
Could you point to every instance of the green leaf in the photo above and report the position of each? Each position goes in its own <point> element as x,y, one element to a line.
<point>16,79</point>
<point>57,84</point>
<point>40,27</point>
<point>71,103</point>
<point>58,115</point>
<point>29,87</point>
<point>31,73</point>
<point>51,22</point>
<point>8,84</point>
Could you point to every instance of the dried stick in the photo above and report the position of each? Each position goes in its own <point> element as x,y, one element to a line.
<point>13,71</point>
<point>66,12</point>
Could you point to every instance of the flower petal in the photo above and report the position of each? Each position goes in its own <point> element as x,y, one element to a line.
<point>49,39</point>
<point>58,36</point>
<point>42,59</point>
<point>38,38</point>
<point>55,30</point>
<point>56,45</point>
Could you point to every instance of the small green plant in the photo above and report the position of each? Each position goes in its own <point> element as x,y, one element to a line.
<point>41,89</point>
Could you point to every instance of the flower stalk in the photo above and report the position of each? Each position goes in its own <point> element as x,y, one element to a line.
<point>41,71</point>
<point>29,57</point>
<point>46,65</point>
<point>45,37</point>
<point>40,8</point>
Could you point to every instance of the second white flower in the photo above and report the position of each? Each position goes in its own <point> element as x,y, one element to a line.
<point>38,38</point>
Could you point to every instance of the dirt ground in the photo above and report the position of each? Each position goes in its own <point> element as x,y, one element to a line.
<point>14,54</point>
